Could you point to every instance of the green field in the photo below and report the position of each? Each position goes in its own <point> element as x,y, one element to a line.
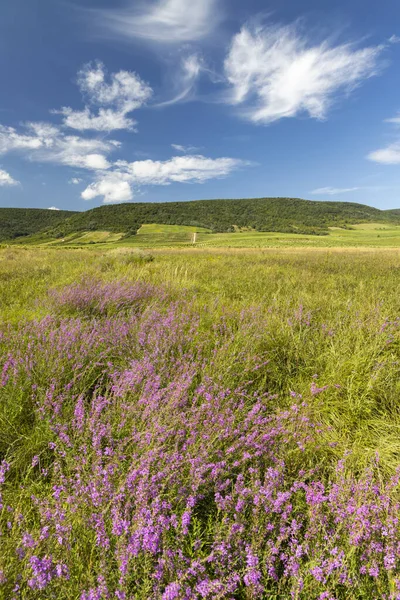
<point>365,235</point>
<point>374,235</point>
<point>200,422</point>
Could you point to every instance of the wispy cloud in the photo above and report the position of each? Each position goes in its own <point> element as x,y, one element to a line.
<point>185,149</point>
<point>182,81</point>
<point>162,21</point>
<point>123,93</point>
<point>75,181</point>
<point>390,154</point>
<point>331,191</point>
<point>276,72</point>
<point>395,120</point>
<point>387,156</point>
<point>6,180</point>
<point>46,143</point>
<point>118,184</point>
<point>394,39</point>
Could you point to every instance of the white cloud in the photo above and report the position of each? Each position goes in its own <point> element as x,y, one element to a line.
<point>11,140</point>
<point>53,208</point>
<point>331,191</point>
<point>113,188</point>
<point>105,120</point>
<point>126,90</point>
<point>117,185</point>
<point>182,169</point>
<point>185,149</point>
<point>123,93</point>
<point>163,21</point>
<point>394,39</point>
<point>116,96</point>
<point>388,156</point>
<point>395,120</point>
<point>45,143</point>
<point>275,72</point>
<point>6,179</point>
<point>183,81</point>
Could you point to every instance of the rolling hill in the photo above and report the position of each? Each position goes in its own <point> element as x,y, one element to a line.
<point>21,222</point>
<point>284,215</point>
<point>290,215</point>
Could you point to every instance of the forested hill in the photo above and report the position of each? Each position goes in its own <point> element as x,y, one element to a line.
<point>262,214</point>
<point>19,222</point>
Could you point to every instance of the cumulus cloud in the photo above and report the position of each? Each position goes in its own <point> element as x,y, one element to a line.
<point>331,191</point>
<point>125,89</point>
<point>46,143</point>
<point>113,188</point>
<point>104,120</point>
<point>163,21</point>
<point>117,95</point>
<point>276,72</point>
<point>6,179</point>
<point>183,169</point>
<point>117,185</point>
<point>53,208</point>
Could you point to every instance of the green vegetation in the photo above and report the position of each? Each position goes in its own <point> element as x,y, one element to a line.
<point>199,423</point>
<point>262,214</point>
<point>19,222</point>
<point>373,235</point>
<point>173,223</point>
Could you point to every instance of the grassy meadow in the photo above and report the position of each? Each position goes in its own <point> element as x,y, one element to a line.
<point>371,235</point>
<point>201,422</point>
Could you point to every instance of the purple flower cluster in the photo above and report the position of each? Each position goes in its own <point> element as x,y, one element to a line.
<point>161,482</point>
<point>95,297</point>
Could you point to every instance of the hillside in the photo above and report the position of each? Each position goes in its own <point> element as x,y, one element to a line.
<point>393,212</point>
<point>263,214</point>
<point>19,222</point>
<point>284,215</point>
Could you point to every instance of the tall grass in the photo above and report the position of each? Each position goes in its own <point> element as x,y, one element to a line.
<point>200,425</point>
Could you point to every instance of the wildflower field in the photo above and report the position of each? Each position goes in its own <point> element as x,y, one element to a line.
<point>188,424</point>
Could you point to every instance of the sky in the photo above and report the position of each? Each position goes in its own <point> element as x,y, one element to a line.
<point>107,101</point>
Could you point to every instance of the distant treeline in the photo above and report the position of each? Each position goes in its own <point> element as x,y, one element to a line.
<point>286,215</point>
<point>20,222</point>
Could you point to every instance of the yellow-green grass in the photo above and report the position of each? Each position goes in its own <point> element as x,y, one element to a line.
<point>372,235</point>
<point>89,237</point>
<point>361,236</point>
<point>349,292</point>
<point>323,316</point>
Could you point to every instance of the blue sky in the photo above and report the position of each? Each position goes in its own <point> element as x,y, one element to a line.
<point>162,100</point>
